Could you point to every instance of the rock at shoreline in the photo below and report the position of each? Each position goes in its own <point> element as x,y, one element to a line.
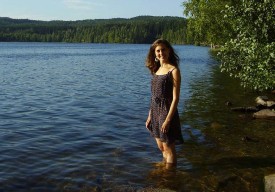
<point>263,101</point>
<point>263,110</point>
<point>264,114</point>
<point>261,98</point>
<point>270,104</point>
<point>269,183</point>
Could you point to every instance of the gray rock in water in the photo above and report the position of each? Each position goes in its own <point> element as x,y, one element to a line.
<point>264,114</point>
<point>269,182</point>
<point>261,100</point>
<point>270,103</point>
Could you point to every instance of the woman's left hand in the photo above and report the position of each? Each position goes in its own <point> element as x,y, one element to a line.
<point>165,127</point>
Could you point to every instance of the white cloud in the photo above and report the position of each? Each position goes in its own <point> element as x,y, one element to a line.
<point>80,4</point>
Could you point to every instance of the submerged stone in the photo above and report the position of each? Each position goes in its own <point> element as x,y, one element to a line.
<point>269,183</point>
<point>264,114</point>
<point>263,101</point>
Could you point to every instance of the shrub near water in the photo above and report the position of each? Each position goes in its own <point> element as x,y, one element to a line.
<point>249,55</point>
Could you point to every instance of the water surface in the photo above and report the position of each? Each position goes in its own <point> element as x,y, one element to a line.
<point>73,115</point>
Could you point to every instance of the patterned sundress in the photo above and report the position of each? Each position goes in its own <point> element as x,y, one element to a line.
<point>161,99</point>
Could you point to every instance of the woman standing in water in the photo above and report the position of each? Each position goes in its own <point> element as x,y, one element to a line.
<point>163,120</point>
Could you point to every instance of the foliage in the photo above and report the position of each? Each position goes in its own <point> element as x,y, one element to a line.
<point>206,24</point>
<point>249,56</point>
<point>143,29</point>
<point>244,29</point>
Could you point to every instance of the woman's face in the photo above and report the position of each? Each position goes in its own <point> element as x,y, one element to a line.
<point>162,53</point>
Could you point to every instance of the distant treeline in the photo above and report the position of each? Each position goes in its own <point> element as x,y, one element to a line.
<point>142,29</point>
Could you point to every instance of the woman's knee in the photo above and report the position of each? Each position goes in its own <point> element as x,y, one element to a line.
<point>169,148</point>
<point>160,145</point>
<point>161,148</point>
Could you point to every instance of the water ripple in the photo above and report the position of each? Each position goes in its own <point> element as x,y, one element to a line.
<point>72,115</point>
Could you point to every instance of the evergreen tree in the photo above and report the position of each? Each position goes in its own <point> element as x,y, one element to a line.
<point>143,29</point>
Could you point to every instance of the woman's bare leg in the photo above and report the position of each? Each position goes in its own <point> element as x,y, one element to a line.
<point>170,151</point>
<point>161,148</point>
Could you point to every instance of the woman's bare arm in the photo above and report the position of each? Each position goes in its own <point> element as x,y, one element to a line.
<point>176,94</point>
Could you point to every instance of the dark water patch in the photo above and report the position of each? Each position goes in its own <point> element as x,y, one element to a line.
<point>236,153</point>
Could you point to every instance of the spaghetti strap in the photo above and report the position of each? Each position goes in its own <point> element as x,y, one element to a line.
<point>171,70</point>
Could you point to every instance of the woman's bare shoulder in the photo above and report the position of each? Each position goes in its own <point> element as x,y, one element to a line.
<point>176,72</point>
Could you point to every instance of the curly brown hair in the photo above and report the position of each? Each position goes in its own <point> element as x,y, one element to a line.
<point>153,65</point>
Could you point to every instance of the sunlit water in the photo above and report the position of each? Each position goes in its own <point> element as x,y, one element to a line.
<point>73,115</point>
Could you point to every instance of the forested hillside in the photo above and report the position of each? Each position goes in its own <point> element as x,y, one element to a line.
<point>142,29</point>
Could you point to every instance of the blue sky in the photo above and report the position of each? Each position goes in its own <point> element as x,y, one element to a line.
<point>88,9</point>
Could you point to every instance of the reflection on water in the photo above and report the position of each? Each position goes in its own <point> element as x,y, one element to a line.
<point>222,159</point>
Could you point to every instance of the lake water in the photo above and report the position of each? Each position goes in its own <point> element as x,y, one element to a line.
<point>72,118</point>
